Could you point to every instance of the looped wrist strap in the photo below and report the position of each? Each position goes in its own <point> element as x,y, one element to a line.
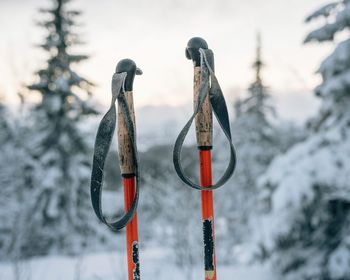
<point>102,145</point>
<point>218,104</point>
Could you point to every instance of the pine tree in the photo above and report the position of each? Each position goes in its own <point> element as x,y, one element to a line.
<point>61,220</point>
<point>5,136</point>
<point>257,141</point>
<point>13,181</point>
<point>5,131</point>
<point>309,186</point>
<point>257,102</point>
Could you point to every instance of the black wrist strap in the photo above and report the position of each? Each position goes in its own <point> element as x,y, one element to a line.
<point>219,108</point>
<point>102,145</point>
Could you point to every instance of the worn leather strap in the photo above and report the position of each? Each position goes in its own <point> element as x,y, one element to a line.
<point>218,104</point>
<point>102,145</point>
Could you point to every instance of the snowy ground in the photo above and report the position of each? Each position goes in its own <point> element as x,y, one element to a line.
<point>108,266</point>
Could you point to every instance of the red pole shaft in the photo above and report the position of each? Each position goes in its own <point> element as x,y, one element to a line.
<point>207,215</point>
<point>132,246</point>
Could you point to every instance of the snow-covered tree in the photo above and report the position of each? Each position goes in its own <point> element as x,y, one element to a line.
<point>256,104</point>
<point>61,219</point>
<point>5,136</point>
<point>5,132</point>
<point>257,140</point>
<point>308,188</point>
<point>13,181</point>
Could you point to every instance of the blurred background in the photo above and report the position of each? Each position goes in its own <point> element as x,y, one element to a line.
<point>284,68</point>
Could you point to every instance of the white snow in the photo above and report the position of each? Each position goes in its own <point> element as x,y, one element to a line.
<point>156,263</point>
<point>314,162</point>
<point>323,11</point>
<point>328,31</point>
<point>339,263</point>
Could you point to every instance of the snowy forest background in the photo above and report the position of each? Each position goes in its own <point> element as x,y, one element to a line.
<point>284,214</point>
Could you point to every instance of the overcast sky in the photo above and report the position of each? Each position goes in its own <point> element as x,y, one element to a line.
<point>155,32</point>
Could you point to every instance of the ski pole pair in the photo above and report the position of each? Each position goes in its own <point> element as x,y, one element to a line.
<point>208,97</point>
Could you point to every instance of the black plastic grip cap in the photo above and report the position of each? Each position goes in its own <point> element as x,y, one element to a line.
<point>129,66</point>
<point>192,49</point>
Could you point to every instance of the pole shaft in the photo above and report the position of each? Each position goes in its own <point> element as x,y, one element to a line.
<point>127,166</point>
<point>204,133</point>
<point>132,246</point>
<point>207,215</point>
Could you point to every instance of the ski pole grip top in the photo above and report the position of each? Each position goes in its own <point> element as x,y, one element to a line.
<point>192,49</point>
<point>125,142</point>
<point>204,118</point>
<point>129,66</point>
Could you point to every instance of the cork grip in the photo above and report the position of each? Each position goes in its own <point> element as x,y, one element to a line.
<point>125,146</point>
<point>204,118</point>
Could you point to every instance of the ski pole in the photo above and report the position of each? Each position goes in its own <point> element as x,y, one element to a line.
<point>204,135</point>
<point>127,167</point>
<point>122,91</point>
<point>208,97</point>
